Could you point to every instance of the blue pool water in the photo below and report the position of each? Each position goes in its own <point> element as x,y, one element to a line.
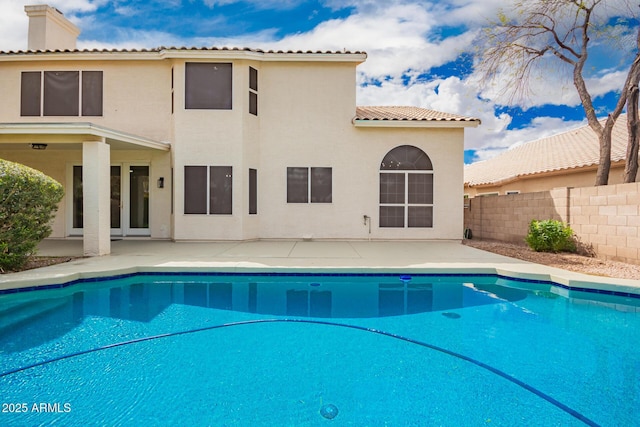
<point>281,350</point>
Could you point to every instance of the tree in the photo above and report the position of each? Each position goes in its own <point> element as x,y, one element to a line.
<point>633,122</point>
<point>559,29</point>
<point>28,202</point>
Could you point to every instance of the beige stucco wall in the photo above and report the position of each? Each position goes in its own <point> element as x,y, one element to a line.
<point>305,112</point>
<point>136,95</point>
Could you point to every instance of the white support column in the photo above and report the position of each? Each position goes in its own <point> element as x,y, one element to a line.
<point>96,205</point>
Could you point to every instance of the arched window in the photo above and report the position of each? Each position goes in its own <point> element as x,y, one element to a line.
<point>406,188</point>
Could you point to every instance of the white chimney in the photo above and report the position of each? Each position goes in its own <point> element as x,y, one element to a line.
<point>49,29</point>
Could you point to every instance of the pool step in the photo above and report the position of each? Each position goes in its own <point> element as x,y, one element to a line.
<point>14,315</point>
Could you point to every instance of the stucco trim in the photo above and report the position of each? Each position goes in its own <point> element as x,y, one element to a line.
<point>81,128</point>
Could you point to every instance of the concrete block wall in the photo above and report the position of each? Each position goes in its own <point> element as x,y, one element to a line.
<point>607,218</point>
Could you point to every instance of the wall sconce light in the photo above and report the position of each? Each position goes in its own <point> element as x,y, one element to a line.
<point>36,146</point>
<point>161,182</point>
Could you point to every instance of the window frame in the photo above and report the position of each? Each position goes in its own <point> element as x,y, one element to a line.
<point>43,102</point>
<point>313,189</point>
<point>204,197</point>
<point>208,86</point>
<point>403,199</point>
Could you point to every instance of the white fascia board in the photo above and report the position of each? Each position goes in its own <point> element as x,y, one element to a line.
<point>416,123</point>
<point>193,54</point>
<point>81,128</point>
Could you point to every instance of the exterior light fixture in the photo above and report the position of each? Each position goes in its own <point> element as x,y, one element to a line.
<point>39,146</point>
<point>161,182</point>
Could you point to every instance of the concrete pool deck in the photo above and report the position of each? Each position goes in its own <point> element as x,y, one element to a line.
<point>130,256</point>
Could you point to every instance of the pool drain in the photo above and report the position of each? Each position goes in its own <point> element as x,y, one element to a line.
<point>451,315</point>
<point>329,411</point>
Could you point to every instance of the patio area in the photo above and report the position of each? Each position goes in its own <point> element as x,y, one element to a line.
<point>130,256</point>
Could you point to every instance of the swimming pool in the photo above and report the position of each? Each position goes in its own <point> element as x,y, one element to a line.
<point>280,349</point>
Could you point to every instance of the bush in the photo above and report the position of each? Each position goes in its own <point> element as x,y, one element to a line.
<point>28,202</point>
<point>550,236</point>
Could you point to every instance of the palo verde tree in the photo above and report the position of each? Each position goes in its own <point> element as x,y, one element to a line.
<point>539,33</point>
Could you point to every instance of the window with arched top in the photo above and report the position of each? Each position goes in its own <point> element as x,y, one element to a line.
<point>406,188</point>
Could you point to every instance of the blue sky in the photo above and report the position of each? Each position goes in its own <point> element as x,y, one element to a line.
<point>419,52</point>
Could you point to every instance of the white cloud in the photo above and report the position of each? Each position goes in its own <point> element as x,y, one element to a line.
<point>404,39</point>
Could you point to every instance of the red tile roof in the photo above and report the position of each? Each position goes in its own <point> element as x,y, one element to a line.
<point>392,113</point>
<point>574,149</point>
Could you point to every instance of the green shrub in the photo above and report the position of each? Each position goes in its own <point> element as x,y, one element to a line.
<point>28,202</point>
<point>550,236</point>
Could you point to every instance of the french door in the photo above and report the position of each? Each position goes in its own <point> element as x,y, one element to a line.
<point>129,200</point>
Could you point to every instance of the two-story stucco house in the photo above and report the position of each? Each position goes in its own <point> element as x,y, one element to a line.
<point>223,144</point>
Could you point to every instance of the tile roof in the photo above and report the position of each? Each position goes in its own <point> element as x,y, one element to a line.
<point>183,48</point>
<point>574,149</point>
<point>407,114</point>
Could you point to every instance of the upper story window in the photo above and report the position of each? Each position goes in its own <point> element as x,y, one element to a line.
<point>253,91</point>
<point>61,93</point>
<point>208,86</point>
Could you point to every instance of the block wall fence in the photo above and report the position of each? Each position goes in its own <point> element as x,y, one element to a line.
<point>605,217</point>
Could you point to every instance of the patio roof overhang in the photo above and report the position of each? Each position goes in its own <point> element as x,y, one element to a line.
<point>71,135</point>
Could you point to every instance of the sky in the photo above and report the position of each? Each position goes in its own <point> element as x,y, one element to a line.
<point>420,53</point>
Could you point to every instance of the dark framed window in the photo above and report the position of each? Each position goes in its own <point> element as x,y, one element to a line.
<point>253,191</point>
<point>253,91</point>
<point>208,85</point>
<point>406,188</point>
<point>253,79</point>
<point>208,190</point>
<point>220,190</point>
<point>59,93</point>
<point>30,93</point>
<point>301,189</point>
<point>195,189</point>
<point>92,93</point>
<point>297,185</point>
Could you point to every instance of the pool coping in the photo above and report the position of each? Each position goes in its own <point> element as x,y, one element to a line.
<point>296,257</point>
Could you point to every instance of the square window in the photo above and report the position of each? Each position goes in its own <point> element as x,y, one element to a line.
<point>392,188</point>
<point>420,216</point>
<point>392,216</point>
<point>420,188</point>
<point>208,85</point>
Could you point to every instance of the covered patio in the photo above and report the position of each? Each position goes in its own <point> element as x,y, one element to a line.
<point>27,143</point>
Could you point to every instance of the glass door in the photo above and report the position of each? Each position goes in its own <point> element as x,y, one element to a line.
<point>116,201</point>
<point>138,196</point>
<point>129,194</point>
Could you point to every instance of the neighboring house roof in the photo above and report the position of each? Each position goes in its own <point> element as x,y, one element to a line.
<point>577,148</point>
<point>409,116</point>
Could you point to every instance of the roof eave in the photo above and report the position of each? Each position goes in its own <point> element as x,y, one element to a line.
<point>184,53</point>
<point>368,123</point>
<point>81,128</point>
